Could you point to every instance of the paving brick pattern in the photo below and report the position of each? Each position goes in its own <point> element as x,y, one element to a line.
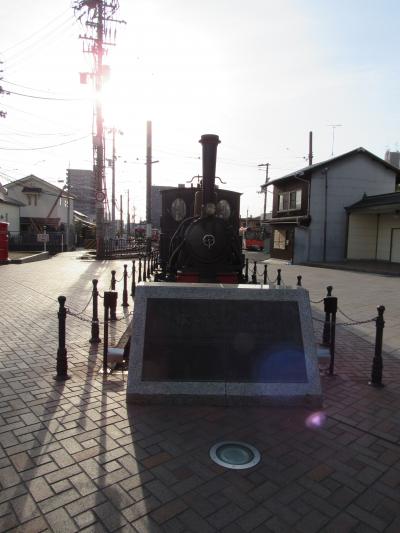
<point>75,457</point>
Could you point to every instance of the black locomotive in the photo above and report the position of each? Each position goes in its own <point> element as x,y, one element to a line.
<point>199,239</point>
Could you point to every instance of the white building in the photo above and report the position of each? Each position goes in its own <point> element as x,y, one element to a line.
<point>42,204</point>
<point>9,211</point>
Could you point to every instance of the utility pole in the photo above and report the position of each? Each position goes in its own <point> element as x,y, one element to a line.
<point>100,16</point>
<point>113,131</point>
<point>121,223</point>
<point>310,148</point>
<point>98,141</point>
<point>68,209</point>
<point>113,185</point>
<point>149,162</point>
<point>3,114</point>
<point>266,165</point>
<point>128,222</point>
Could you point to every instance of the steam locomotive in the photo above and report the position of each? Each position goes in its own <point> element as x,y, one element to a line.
<point>199,239</point>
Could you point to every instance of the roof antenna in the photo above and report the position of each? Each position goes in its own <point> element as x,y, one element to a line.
<point>334,126</point>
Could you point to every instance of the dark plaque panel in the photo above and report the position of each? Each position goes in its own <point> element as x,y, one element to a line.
<point>223,340</point>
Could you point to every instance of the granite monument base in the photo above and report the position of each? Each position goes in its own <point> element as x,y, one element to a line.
<point>222,344</point>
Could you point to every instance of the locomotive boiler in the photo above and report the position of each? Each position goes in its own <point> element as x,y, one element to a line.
<point>199,239</point>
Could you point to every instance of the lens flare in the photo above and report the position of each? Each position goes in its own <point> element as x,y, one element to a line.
<point>316,420</point>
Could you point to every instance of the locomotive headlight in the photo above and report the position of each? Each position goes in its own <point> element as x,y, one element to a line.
<point>210,209</point>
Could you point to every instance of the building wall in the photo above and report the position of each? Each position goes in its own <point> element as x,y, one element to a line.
<point>82,183</point>
<point>362,237</point>
<point>348,180</point>
<point>301,245</point>
<point>10,213</point>
<point>386,223</point>
<point>393,158</point>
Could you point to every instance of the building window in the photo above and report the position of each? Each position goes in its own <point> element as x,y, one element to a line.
<point>32,199</point>
<point>298,199</point>
<point>280,239</point>
<point>289,201</point>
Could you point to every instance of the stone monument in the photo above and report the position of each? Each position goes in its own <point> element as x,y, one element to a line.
<point>222,344</point>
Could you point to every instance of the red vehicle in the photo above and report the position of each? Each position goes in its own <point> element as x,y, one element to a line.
<point>253,239</point>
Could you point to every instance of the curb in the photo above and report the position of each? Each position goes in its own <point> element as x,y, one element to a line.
<point>350,268</point>
<point>30,258</point>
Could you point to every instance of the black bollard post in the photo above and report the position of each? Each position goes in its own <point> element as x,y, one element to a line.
<point>265,274</point>
<point>332,309</point>
<point>125,290</point>
<point>62,363</point>
<point>108,298</point>
<point>95,318</point>
<point>148,266</point>
<point>110,302</point>
<point>144,269</point>
<point>326,331</point>
<point>279,277</point>
<point>246,270</point>
<point>113,305</point>
<point>133,287</point>
<point>113,280</point>
<point>377,363</point>
<point>254,275</point>
<point>140,270</point>
<point>298,281</point>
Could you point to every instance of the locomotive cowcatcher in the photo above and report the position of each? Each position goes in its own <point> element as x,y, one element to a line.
<point>199,239</point>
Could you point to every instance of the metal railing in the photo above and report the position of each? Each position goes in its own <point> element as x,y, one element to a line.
<point>124,247</point>
<point>28,242</point>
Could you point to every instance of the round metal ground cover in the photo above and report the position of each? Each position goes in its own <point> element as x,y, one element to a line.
<point>235,455</point>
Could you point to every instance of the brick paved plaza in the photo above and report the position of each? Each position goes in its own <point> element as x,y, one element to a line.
<point>75,457</point>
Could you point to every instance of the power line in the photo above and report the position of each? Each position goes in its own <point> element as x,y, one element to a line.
<point>43,97</point>
<point>29,88</point>
<point>36,32</point>
<point>15,58</point>
<point>36,52</point>
<point>34,115</point>
<point>11,131</point>
<point>52,146</point>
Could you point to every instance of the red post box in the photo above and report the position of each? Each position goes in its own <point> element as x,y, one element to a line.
<point>3,241</point>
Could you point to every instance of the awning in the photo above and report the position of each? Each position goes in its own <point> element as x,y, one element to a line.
<point>303,220</point>
<point>377,204</point>
<point>53,222</point>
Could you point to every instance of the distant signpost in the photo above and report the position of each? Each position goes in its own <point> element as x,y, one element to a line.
<point>44,238</point>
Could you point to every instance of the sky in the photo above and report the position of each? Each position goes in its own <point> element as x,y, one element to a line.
<point>260,74</point>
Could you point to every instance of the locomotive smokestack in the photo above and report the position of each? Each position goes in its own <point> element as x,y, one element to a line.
<point>210,144</point>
